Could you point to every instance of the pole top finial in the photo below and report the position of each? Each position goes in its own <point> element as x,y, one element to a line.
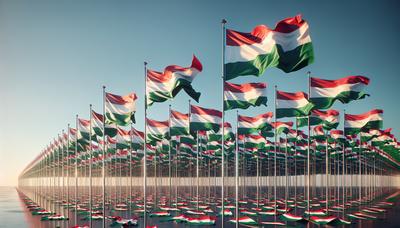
<point>308,72</point>
<point>145,63</point>
<point>223,21</point>
<point>104,86</point>
<point>90,105</point>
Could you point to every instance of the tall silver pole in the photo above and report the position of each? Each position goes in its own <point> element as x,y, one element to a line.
<point>276,151</point>
<point>308,149</point>
<point>223,22</point>
<point>237,172</point>
<point>76,172</point>
<point>169,159</point>
<point>145,149</point>
<point>103,167</point>
<point>326,173</point>
<point>68,168</point>
<point>90,169</point>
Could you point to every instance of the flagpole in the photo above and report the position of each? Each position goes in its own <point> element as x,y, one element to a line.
<point>169,157</point>
<point>130,172</point>
<point>344,162</point>
<point>326,172</point>
<point>308,149</point>
<point>276,150</point>
<point>68,168</point>
<point>197,171</point>
<point>76,171</point>
<point>237,171</point>
<point>223,22</point>
<point>145,149</point>
<point>90,168</point>
<point>103,167</point>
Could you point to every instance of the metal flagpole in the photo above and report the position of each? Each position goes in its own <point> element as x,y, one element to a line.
<point>223,22</point>
<point>90,169</point>
<point>130,173</point>
<point>237,172</point>
<point>308,149</point>
<point>76,172</point>
<point>145,149</point>
<point>197,171</point>
<point>276,150</point>
<point>68,168</point>
<point>326,173</point>
<point>103,168</point>
<point>286,175</point>
<point>169,159</point>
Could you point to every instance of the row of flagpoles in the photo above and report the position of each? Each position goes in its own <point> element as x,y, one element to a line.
<point>111,134</point>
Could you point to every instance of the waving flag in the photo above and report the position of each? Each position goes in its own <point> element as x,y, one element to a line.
<point>370,120</point>
<point>203,119</point>
<point>245,95</point>
<point>325,92</point>
<point>120,109</point>
<point>255,141</point>
<point>318,132</point>
<point>166,85</point>
<point>156,130</point>
<point>122,139</point>
<point>287,47</point>
<point>83,129</point>
<point>97,125</point>
<point>137,139</point>
<point>249,125</point>
<point>282,127</point>
<point>229,135</point>
<point>179,123</point>
<point>338,135</point>
<point>292,104</point>
<point>328,119</point>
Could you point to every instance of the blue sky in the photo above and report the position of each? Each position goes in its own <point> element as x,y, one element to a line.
<point>56,55</point>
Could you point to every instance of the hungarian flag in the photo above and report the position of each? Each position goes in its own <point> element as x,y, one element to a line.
<point>325,92</point>
<point>354,124</point>
<point>254,141</point>
<point>120,109</point>
<point>97,125</point>
<point>249,125</point>
<point>374,133</point>
<point>179,123</point>
<point>229,135</point>
<point>123,139</point>
<point>156,130</point>
<point>318,132</point>
<point>137,139</point>
<point>338,135</point>
<point>203,119</point>
<point>292,104</point>
<point>162,86</point>
<point>287,47</point>
<point>328,119</point>
<point>282,127</point>
<point>245,95</point>
<point>83,129</point>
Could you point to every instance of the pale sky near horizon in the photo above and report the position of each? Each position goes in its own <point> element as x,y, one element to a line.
<point>56,55</point>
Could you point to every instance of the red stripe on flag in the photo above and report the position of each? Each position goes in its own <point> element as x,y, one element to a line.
<point>290,96</point>
<point>205,111</point>
<point>288,25</point>
<point>154,123</point>
<point>242,88</point>
<point>121,100</point>
<point>324,83</point>
<point>363,116</point>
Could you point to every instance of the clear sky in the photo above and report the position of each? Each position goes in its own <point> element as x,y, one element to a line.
<point>56,55</point>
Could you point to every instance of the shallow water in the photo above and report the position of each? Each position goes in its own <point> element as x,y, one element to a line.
<point>13,213</point>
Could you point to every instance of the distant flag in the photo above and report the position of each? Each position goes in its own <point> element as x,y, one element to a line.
<point>363,122</point>
<point>292,104</point>
<point>255,141</point>
<point>328,119</point>
<point>123,139</point>
<point>97,125</point>
<point>156,130</point>
<point>245,95</point>
<point>287,47</point>
<point>120,110</point>
<point>337,135</point>
<point>325,92</point>
<point>162,86</point>
<point>203,119</point>
<point>137,139</point>
<point>282,127</point>
<point>83,129</point>
<point>179,123</point>
<point>318,132</point>
<point>250,125</point>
